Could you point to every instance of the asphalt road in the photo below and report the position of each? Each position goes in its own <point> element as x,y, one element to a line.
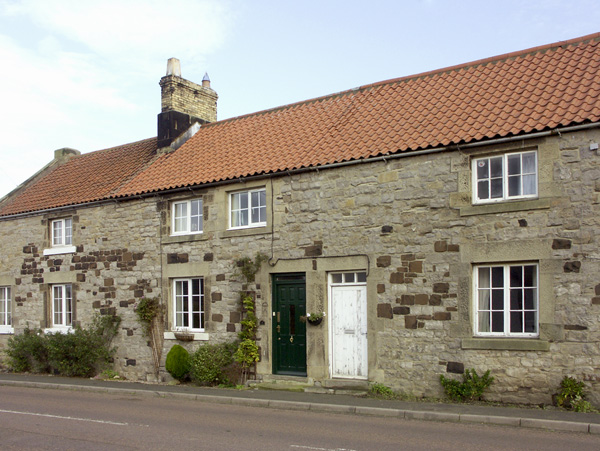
<point>48,419</point>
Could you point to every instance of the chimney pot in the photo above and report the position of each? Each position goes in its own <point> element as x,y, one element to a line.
<point>173,67</point>
<point>206,81</point>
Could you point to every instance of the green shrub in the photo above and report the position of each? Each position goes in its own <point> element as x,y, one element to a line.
<point>571,396</point>
<point>81,352</point>
<point>381,391</point>
<point>28,352</point>
<point>210,362</point>
<point>470,389</point>
<point>178,362</point>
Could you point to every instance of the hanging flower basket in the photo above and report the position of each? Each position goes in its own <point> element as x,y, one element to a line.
<point>315,318</point>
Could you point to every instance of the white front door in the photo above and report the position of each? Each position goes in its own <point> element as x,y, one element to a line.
<point>348,325</point>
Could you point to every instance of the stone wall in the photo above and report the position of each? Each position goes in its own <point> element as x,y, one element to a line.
<point>408,222</point>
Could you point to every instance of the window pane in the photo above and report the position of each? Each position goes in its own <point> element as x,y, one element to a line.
<point>496,167</point>
<point>483,169</point>
<point>243,218</point>
<point>514,164</point>
<point>497,299</point>
<point>361,277</point>
<point>484,277</point>
<point>483,190</point>
<point>484,299</point>
<point>530,322</point>
<point>255,215</point>
<point>336,278</point>
<point>484,322</point>
<point>196,205</point>
<point>516,299</point>
<point>529,166</point>
<point>180,211</point>
<point>497,276</point>
<point>497,321</point>
<point>243,200</point>
<point>530,274</point>
<point>497,188</point>
<point>235,201</point>
<point>57,233</point>
<point>514,185</point>
<point>516,276</point>
<point>349,277</point>
<point>529,184</point>
<point>530,295</point>
<point>516,322</point>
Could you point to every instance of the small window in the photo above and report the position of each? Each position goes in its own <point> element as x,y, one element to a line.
<point>62,306</point>
<point>62,232</point>
<point>188,304</point>
<point>248,209</point>
<point>187,217</point>
<point>505,177</point>
<point>506,300</point>
<point>349,278</point>
<point>5,310</point>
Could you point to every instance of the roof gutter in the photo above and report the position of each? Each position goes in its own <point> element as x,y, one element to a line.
<point>556,131</point>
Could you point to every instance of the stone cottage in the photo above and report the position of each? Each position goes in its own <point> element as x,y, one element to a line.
<point>442,221</point>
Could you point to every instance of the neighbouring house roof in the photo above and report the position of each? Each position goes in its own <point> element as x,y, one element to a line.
<point>533,90</point>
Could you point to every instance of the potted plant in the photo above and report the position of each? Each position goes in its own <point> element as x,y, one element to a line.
<point>315,318</point>
<point>183,335</point>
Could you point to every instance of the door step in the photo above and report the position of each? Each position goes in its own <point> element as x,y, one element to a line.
<point>308,385</point>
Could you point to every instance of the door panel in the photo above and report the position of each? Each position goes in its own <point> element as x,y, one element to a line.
<point>349,331</point>
<point>289,333</point>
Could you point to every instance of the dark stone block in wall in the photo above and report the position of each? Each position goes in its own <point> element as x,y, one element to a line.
<point>455,367</point>
<point>380,288</point>
<point>522,222</point>
<point>421,299</point>
<point>230,327</point>
<point>435,299</point>
<point>384,311</point>
<point>575,327</point>
<point>108,282</point>
<point>171,258</point>
<point>216,296</point>
<point>220,277</point>
<point>596,301</point>
<point>416,266</point>
<point>572,266</point>
<point>138,293</point>
<point>123,304</point>
<point>401,310</point>
<point>442,316</point>
<point>80,277</point>
<point>410,322</point>
<point>440,246</point>
<point>387,229</point>
<point>313,251</point>
<point>208,257</point>
<point>397,277</point>
<point>596,288</point>
<point>235,317</point>
<point>407,299</point>
<point>441,287</point>
<point>407,257</point>
<point>217,318</point>
<point>96,304</point>
<point>130,362</point>
<point>453,248</point>
<point>560,243</point>
<point>384,261</point>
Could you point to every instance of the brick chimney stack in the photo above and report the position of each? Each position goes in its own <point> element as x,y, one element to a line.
<point>183,103</point>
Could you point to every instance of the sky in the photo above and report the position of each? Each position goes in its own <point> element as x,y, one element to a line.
<point>84,74</point>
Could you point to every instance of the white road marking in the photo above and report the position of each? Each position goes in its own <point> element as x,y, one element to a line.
<point>64,418</point>
<point>321,449</point>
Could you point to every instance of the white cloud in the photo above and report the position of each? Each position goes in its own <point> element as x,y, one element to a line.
<point>85,74</point>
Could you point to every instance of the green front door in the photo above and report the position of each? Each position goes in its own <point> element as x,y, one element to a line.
<point>289,333</point>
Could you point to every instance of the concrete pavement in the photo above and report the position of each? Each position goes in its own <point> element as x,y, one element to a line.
<point>465,413</point>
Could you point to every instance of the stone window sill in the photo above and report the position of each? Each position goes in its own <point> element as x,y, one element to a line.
<point>248,231</point>
<point>60,250</point>
<point>506,344</point>
<point>506,207</point>
<point>6,330</point>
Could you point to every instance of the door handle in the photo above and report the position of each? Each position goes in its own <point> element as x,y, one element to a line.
<point>278,317</point>
<point>291,339</point>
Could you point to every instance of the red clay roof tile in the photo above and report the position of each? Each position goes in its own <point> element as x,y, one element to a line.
<point>521,92</point>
